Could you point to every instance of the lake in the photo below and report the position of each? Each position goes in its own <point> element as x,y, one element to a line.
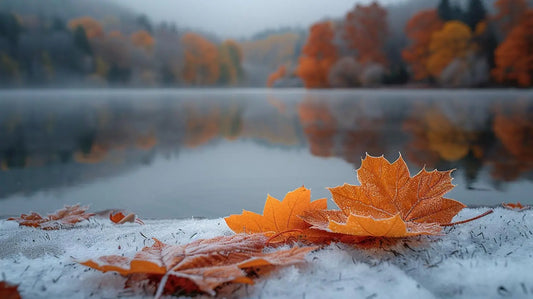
<point>213,152</point>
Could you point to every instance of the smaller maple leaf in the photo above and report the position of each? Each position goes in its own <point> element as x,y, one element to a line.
<point>389,202</point>
<point>200,266</point>
<point>120,218</point>
<point>282,218</point>
<point>8,291</point>
<point>515,206</point>
<point>68,216</point>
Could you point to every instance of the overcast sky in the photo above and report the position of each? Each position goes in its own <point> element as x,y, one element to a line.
<point>242,18</point>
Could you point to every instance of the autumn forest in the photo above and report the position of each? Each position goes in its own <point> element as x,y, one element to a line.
<point>392,140</point>
<point>445,43</point>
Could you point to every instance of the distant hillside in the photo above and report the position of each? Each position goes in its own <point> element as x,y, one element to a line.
<point>67,9</point>
<point>99,43</point>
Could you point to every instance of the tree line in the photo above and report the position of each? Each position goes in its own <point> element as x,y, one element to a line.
<point>448,46</point>
<point>84,51</point>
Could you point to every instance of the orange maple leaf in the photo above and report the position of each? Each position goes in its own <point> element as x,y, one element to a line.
<point>201,265</point>
<point>389,202</point>
<point>515,206</point>
<point>65,217</point>
<point>8,291</point>
<point>120,218</point>
<point>282,217</point>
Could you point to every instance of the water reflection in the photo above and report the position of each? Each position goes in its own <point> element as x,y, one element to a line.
<point>477,133</point>
<point>50,139</point>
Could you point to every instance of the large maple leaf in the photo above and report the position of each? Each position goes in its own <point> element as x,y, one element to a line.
<point>389,202</point>
<point>282,217</point>
<point>65,217</point>
<point>201,265</point>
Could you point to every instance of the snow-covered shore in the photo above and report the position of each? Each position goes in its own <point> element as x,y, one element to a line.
<point>489,258</point>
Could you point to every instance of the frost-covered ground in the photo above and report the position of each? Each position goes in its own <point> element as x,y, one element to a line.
<point>488,258</point>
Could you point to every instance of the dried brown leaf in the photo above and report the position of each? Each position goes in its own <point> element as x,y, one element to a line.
<point>65,217</point>
<point>200,266</point>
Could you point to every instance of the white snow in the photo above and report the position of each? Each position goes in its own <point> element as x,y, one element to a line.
<point>489,258</point>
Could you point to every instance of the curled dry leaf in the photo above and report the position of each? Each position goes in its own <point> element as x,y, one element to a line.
<point>8,291</point>
<point>389,202</point>
<point>120,218</point>
<point>515,206</point>
<point>200,266</point>
<point>68,216</point>
<point>282,217</point>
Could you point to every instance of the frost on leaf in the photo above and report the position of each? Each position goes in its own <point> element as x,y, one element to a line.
<point>282,217</point>
<point>66,217</point>
<point>389,202</point>
<point>200,266</point>
<point>515,206</point>
<point>120,218</point>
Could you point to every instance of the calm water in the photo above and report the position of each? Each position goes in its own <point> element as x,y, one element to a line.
<point>211,153</point>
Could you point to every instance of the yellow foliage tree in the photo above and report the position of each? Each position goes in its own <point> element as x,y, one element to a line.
<point>453,41</point>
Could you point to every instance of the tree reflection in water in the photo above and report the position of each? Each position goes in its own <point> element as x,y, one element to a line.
<point>64,139</point>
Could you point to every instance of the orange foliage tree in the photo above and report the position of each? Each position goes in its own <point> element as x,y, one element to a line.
<point>453,41</point>
<point>319,125</point>
<point>201,60</point>
<point>92,27</point>
<point>419,29</point>
<point>510,13</point>
<point>319,54</point>
<point>279,73</point>
<point>514,57</point>
<point>143,39</point>
<point>513,126</point>
<point>202,125</point>
<point>365,31</point>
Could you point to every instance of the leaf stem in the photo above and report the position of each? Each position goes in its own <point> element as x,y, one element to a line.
<point>468,220</point>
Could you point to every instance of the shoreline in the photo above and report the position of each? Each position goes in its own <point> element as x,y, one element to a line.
<point>489,257</point>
